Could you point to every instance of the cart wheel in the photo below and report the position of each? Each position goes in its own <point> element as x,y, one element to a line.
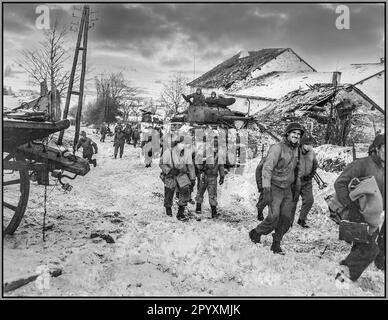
<point>16,188</point>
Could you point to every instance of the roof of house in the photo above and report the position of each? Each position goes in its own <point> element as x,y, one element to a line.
<point>302,101</point>
<point>359,71</point>
<point>374,88</point>
<point>275,85</point>
<point>236,68</point>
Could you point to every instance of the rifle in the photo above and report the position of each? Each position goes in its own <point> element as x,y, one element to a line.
<point>321,184</point>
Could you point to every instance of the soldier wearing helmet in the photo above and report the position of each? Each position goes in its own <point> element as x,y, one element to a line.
<point>198,98</point>
<point>278,175</point>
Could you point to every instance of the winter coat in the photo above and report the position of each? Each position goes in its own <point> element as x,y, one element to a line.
<point>135,134</point>
<point>360,168</point>
<point>308,162</point>
<point>128,131</point>
<point>177,159</point>
<point>87,145</point>
<point>212,170</point>
<point>103,130</point>
<point>279,165</point>
<point>198,99</point>
<point>119,137</point>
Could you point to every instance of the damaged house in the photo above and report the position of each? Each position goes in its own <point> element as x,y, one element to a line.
<point>333,114</point>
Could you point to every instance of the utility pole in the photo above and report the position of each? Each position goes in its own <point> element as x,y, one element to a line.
<point>82,34</point>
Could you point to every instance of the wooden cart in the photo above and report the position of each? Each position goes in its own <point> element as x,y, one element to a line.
<point>25,156</point>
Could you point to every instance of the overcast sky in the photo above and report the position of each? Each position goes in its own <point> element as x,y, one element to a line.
<point>149,42</point>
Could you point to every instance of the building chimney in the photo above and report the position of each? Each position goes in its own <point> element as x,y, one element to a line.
<point>382,60</point>
<point>336,78</point>
<point>43,88</point>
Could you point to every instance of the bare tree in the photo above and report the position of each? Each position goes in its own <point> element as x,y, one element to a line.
<point>49,61</point>
<point>171,95</point>
<point>116,94</point>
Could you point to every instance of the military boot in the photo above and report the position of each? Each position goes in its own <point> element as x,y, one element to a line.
<point>275,248</point>
<point>214,212</point>
<point>169,211</point>
<point>180,215</point>
<point>198,209</point>
<point>254,236</point>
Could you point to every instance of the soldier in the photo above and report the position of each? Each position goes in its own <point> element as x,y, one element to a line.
<point>135,136</point>
<point>119,126</point>
<point>103,132</point>
<point>208,181</point>
<point>308,165</point>
<point>128,133</point>
<point>198,98</point>
<point>362,254</point>
<point>177,174</point>
<point>278,174</point>
<point>119,141</point>
<point>87,145</point>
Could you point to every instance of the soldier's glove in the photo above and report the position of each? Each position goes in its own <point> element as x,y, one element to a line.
<point>221,180</point>
<point>267,196</point>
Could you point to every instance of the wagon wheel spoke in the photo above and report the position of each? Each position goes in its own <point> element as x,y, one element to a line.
<point>9,206</point>
<point>16,190</point>
<point>8,183</point>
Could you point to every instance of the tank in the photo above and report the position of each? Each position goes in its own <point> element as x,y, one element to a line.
<point>214,112</point>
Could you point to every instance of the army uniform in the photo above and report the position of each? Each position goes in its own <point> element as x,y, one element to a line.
<point>119,141</point>
<point>128,133</point>
<point>87,145</point>
<point>135,137</point>
<point>198,99</point>
<point>278,176</point>
<point>208,181</point>
<point>362,254</point>
<point>178,174</point>
<point>308,165</point>
<point>103,133</point>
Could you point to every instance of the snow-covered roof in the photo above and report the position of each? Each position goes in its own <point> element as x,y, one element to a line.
<point>274,85</point>
<point>359,71</point>
<point>236,68</point>
<point>374,88</point>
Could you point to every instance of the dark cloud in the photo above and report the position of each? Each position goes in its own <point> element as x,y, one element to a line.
<point>20,18</point>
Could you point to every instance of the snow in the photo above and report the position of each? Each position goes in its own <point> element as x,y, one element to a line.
<point>356,72</point>
<point>157,255</point>
<point>276,85</point>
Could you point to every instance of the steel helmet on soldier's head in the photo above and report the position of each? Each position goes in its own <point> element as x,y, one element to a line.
<point>294,126</point>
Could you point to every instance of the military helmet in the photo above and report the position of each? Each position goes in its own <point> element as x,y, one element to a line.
<point>294,126</point>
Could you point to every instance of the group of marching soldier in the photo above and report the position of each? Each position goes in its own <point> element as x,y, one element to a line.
<point>283,176</point>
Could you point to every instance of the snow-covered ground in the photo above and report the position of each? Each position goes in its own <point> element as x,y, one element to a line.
<point>157,255</point>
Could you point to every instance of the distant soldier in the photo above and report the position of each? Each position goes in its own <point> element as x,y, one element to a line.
<point>208,181</point>
<point>308,165</point>
<point>128,133</point>
<point>177,174</point>
<point>363,252</point>
<point>119,141</point>
<point>87,145</point>
<point>103,132</point>
<point>198,98</point>
<point>135,136</point>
